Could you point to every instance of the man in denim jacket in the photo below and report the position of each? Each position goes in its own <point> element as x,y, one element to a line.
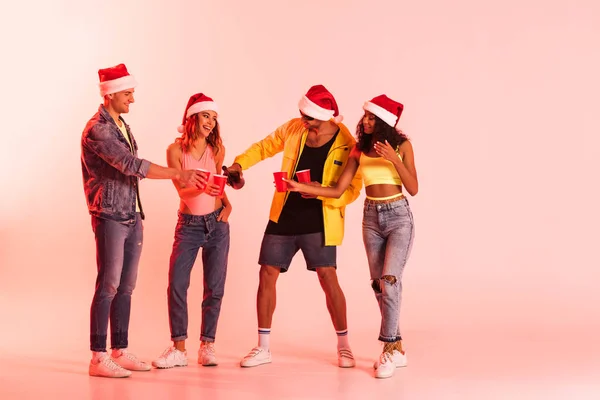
<point>111,171</point>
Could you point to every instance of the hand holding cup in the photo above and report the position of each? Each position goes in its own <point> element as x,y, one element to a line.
<point>219,182</point>
<point>191,177</point>
<point>234,175</point>
<point>203,176</point>
<point>310,196</point>
<point>280,180</point>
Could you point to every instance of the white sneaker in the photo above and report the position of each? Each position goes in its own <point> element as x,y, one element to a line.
<point>206,354</point>
<point>399,359</point>
<point>107,368</point>
<point>346,358</point>
<point>170,358</point>
<point>128,361</point>
<point>256,357</point>
<point>385,366</point>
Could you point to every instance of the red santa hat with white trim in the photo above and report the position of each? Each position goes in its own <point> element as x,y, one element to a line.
<point>320,104</point>
<point>197,103</point>
<point>115,79</point>
<point>385,108</point>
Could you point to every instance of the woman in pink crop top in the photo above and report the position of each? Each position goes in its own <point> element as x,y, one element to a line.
<point>202,223</point>
<point>384,157</point>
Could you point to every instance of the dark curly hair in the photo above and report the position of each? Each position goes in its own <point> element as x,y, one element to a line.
<point>381,133</point>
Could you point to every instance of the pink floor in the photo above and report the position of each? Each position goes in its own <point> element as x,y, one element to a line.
<point>480,365</point>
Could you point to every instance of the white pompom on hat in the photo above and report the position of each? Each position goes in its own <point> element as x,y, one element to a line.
<point>197,103</point>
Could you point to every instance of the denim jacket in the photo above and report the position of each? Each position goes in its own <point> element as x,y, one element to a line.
<point>111,169</point>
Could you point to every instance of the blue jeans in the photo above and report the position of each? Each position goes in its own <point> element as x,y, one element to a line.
<point>388,232</point>
<point>118,250</point>
<point>192,233</point>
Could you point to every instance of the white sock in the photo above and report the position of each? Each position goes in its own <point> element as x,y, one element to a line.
<point>97,356</point>
<point>116,353</point>
<point>263,338</point>
<point>343,342</point>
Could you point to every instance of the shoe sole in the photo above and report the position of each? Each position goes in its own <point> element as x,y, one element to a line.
<point>139,370</point>
<point>106,376</point>
<point>208,364</point>
<point>169,367</point>
<point>376,364</point>
<point>254,365</point>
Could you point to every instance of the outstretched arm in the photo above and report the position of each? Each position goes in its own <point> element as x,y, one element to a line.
<point>268,147</point>
<point>336,191</point>
<point>106,146</point>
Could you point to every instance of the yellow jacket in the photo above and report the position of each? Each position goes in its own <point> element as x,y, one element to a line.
<point>290,138</point>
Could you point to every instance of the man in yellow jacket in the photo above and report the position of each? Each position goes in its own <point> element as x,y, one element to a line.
<point>319,142</point>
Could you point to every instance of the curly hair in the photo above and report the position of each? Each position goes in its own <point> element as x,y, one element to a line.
<point>381,133</point>
<point>191,133</point>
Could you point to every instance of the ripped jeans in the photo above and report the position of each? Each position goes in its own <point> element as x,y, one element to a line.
<point>388,232</point>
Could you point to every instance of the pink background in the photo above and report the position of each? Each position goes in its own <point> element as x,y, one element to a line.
<point>501,104</point>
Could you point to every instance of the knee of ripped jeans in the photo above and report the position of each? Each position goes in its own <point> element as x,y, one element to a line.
<point>376,286</point>
<point>376,283</point>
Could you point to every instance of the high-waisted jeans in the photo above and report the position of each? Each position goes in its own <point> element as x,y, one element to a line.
<point>388,232</point>
<point>192,233</point>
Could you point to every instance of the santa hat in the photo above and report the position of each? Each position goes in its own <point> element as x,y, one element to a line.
<point>320,104</point>
<point>385,108</point>
<point>115,79</point>
<point>196,103</point>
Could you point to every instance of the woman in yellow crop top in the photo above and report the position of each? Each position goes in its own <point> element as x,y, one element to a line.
<point>384,157</point>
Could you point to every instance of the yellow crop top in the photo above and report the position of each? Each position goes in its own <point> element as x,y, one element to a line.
<point>378,171</point>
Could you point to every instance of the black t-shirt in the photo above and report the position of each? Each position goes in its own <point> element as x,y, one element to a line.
<point>301,216</point>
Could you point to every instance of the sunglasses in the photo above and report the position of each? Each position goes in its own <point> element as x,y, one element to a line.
<point>306,117</point>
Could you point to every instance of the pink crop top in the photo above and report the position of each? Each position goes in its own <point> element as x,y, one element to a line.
<point>203,203</point>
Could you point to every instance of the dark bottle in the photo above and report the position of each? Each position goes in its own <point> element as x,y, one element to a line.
<point>233,178</point>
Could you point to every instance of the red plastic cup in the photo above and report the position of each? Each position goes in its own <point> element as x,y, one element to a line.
<point>207,173</point>
<point>280,184</point>
<point>303,176</point>
<point>220,180</point>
